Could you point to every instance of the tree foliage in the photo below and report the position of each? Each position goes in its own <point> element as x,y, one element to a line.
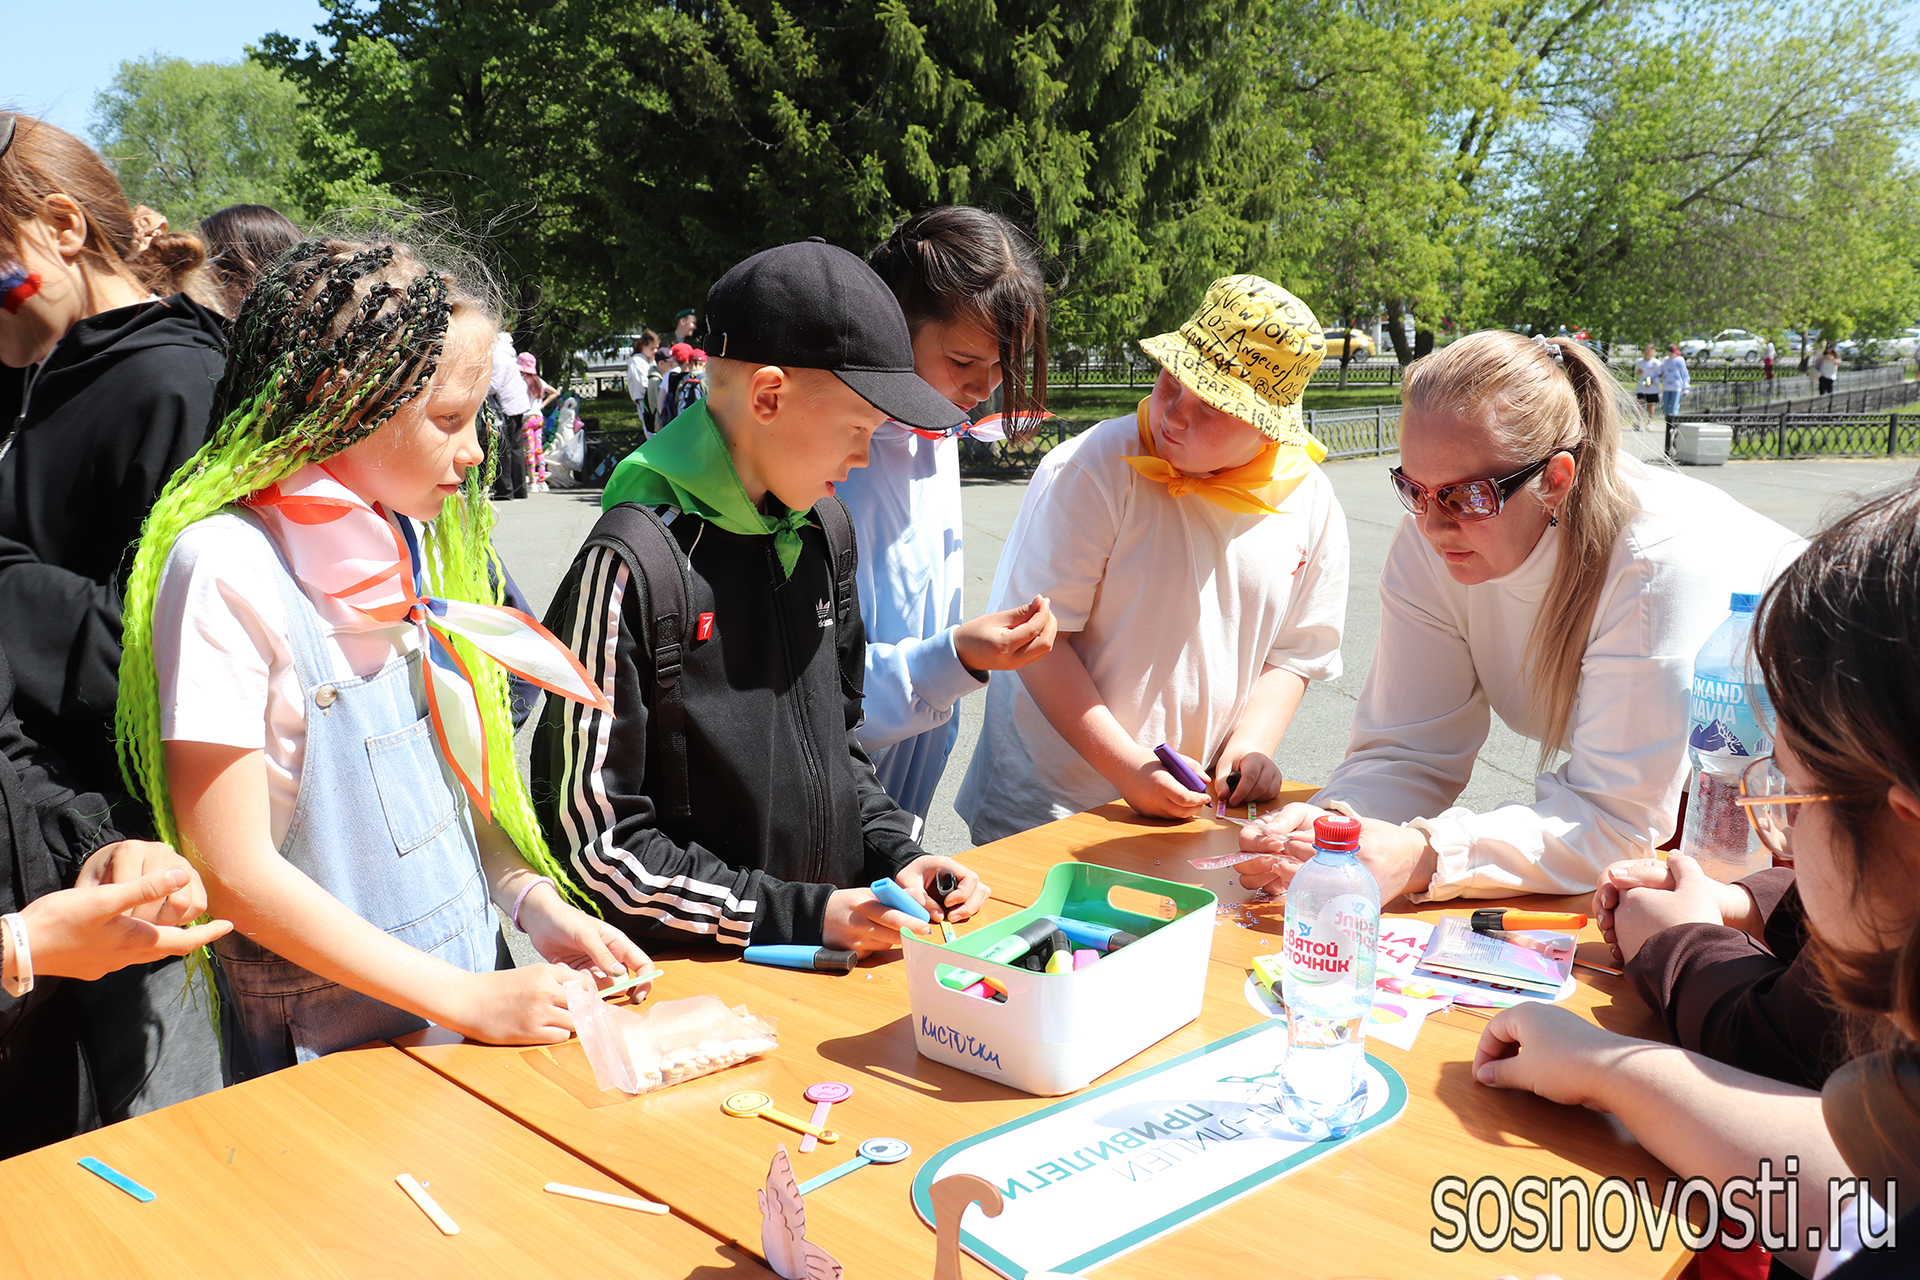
<point>188,138</point>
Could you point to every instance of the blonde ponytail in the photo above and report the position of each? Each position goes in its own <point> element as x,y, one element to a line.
<point>1535,399</point>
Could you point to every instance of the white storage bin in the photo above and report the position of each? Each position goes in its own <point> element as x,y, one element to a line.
<point>1057,1032</point>
<point>1702,444</point>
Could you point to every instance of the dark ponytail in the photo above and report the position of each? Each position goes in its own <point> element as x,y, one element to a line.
<point>958,261</point>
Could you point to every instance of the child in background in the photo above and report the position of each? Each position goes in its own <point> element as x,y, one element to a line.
<point>755,818</point>
<point>670,392</point>
<point>1646,373</point>
<point>313,694</point>
<point>1197,561</point>
<point>540,393</point>
<point>976,304</point>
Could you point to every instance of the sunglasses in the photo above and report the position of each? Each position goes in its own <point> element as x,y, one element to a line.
<point>1469,500</point>
<point>1771,807</point>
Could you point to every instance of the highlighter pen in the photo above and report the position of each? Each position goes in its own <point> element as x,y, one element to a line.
<point>1105,937</point>
<point>820,959</point>
<point>890,893</point>
<point>1081,959</point>
<point>1182,771</point>
<point>945,884</point>
<point>1502,918</point>
<point>1008,950</point>
<point>1060,962</point>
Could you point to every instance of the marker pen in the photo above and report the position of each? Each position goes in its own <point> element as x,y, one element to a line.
<point>1060,961</point>
<point>890,893</point>
<point>1182,771</point>
<point>1081,959</point>
<point>1504,918</point>
<point>820,959</point>
<point>1029,937</point>
<point>945,885</point>
<point>1103,936</point>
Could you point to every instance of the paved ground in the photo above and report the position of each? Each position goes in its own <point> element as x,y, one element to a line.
<point>537,538</point>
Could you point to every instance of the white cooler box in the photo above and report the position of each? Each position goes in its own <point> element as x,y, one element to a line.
<point>1057,1032</point>
<point>1702,444</point>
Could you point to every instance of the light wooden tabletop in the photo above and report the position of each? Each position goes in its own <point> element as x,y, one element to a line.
<point>1363,1211</point>
<point>292,1175</point>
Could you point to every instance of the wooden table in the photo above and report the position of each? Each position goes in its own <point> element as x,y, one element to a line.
<point>293,1175</point>
<point>1364,1211</point>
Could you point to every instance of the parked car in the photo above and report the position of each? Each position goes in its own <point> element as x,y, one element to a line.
<point>1338,339</point>
<point>1728,344</point>
<point>1899,346</point>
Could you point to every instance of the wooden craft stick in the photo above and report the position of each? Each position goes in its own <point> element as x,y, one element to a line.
<point>419,1196</point>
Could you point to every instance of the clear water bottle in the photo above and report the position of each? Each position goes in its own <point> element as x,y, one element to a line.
<point>1727,729</point>
<point>1332,936</point>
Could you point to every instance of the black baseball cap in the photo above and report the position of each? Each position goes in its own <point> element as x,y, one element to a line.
<point>813,305</point>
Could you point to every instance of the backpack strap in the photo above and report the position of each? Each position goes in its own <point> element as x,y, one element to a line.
<point>639,537</point>
<point>837,523</point>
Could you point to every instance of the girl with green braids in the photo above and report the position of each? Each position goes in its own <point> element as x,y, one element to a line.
<point>314,689</point>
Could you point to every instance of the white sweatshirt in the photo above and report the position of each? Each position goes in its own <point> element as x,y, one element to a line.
<point>1449,654</point>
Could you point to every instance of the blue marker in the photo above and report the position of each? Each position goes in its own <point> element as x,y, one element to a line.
<point>820,959</point>
<point>117,1178</point>
<point>1105,937</point>
<point>890,893</point>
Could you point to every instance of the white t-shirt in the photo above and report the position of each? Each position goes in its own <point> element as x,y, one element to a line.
<point>1448,655</point>
<point>224,662</point>
<point>506,384</point>
<point>1178,605</point>
<point>1648,372</point>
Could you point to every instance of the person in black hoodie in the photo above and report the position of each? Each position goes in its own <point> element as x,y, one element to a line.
<point>88,904</point>
<point>118,372</point>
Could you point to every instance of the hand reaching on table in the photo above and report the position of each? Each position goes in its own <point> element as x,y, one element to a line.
<point>1259,778</point>
<point>1638,898</point>
<point>1151,790</point>
<point>1549,1051</point>
<point>858,921</point>
<point>564,934</point>
<point>917,878</point>
<point>527,1005</point>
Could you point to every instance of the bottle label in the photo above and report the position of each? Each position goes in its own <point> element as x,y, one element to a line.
<point>1322,949</point>
<point>1723,718</point>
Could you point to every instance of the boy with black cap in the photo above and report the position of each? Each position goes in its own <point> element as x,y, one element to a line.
<point>714,604</point>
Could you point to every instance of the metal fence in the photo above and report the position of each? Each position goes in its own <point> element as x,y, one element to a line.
<point>1124,372</point>
<point>1347,433</point>
<point>1794,393</point>
<point>1863,423</point>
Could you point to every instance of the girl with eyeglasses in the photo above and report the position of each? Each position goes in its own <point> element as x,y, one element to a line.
<point>1840,800</point>
<point>1544,576</point>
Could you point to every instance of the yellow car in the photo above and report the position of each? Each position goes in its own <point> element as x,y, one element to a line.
<point>1338,339</point>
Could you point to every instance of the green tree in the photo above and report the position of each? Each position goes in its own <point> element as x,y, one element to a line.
<point>188,138</point>
<point>671,140</point>
<point>1730,166</point>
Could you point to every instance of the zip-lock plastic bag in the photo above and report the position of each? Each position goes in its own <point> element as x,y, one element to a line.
<point>671,1041</point>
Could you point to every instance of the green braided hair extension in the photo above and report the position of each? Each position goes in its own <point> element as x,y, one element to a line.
<point>328,346</point>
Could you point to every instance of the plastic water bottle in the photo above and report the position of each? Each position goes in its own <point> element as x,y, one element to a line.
<point>1724,737</point>
<point>1332,936</point>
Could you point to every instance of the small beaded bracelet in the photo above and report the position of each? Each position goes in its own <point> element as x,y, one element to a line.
<point>521,901</point>
<point>18,977</point>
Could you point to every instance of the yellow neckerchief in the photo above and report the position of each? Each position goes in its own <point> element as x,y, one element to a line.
<point>1253,488</point>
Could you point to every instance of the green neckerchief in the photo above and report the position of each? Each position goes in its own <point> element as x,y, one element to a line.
<point>687,466</point>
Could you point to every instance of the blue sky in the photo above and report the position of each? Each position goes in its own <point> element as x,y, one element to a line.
<point>56,67</point>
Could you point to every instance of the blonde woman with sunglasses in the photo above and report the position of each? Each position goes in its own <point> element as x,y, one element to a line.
<point>1541,575</point>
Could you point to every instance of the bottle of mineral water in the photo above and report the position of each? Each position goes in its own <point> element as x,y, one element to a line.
<point>1333,931</point>
<point>1724,735</point>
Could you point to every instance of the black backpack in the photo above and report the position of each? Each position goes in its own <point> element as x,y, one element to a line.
<point>653,558</point>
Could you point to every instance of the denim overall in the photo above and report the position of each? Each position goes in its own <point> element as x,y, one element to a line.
<point>382,825</point>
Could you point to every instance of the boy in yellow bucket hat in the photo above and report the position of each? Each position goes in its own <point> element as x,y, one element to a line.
<point>1196,560</point>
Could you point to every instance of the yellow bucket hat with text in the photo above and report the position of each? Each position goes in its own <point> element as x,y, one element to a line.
<point>1248,351</point>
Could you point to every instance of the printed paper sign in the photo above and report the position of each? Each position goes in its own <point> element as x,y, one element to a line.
<point>1093,1177</point>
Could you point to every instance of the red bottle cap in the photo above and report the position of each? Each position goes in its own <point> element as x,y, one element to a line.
<point>1336,833</point>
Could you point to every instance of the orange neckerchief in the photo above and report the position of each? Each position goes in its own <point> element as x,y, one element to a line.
<point>1253,488</point>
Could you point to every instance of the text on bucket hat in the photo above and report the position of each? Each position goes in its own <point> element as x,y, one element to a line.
<point>813,305</point>
<point>1248,351</point>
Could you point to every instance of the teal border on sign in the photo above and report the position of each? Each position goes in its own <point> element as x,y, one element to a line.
<point>924,1179</point>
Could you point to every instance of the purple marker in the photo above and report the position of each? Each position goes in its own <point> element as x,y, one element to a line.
<point>1182,771</point>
